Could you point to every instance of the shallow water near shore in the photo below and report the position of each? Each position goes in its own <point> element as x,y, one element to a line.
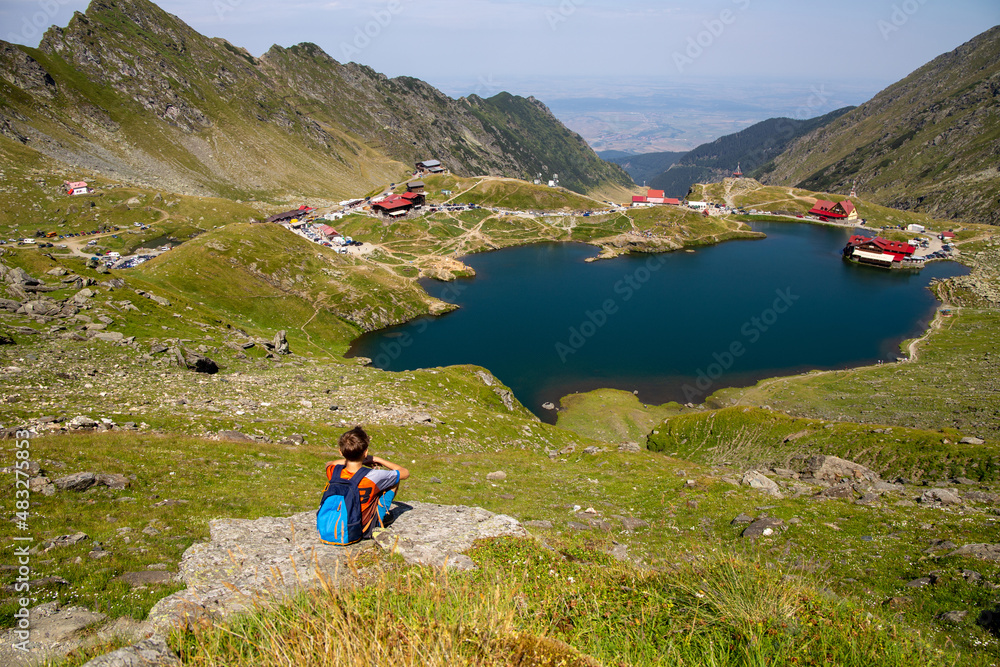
<point>673,327</point>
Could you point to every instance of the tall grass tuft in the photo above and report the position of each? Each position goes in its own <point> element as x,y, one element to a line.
<point>533,606</point>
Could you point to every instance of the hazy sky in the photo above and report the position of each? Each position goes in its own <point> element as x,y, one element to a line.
<point>877,41</point>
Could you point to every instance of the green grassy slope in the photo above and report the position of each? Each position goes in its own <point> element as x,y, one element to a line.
<point>925,143</point>
<point>268,278</point>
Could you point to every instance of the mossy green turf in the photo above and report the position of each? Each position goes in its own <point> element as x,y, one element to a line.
<point>612,415</point>
<point>744,437</point>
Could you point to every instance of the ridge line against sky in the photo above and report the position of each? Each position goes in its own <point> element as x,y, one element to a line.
<point>486,40</point>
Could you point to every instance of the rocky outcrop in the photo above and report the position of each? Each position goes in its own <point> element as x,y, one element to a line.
<point>832,470</point>
<point>55,631</point>
<point>246,561</point>
<point>152,652</point>
<point>437,535</point>
<point>176,80</point>
<point>757,480</point>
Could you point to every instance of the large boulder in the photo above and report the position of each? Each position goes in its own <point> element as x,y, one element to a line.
<point>199,363</point>
<point>152,652</point>
<point>19,276</point>
<point>40,307</point>
<point>271,558</point>
<point>981,551</point>
<point>80,481</point>
<point>280,343</point>
<point>757,480</point>
<point>832,469</point>
<point>55,631</point>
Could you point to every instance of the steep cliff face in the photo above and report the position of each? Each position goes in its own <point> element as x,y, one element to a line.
<point>132,92</point>
<point>930,142</point>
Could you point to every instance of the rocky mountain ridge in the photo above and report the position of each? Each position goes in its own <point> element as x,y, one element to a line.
<point>132,92</point>
<point>927,143</point>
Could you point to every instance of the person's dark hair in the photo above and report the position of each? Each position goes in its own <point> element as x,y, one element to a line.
<point>354,444</point>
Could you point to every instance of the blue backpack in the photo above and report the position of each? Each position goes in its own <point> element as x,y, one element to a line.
<point>339,517</point>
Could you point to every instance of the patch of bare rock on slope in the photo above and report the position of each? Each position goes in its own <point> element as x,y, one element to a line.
<point>246,562</point>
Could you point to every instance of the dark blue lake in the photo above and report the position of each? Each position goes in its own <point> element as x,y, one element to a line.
<point>676,326</point>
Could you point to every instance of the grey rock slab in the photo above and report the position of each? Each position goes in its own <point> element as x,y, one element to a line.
<point>763,527</point>
<point>920,582</point>
<point>972,440</point>
<point>954,617</point>
<point>280,343</point>
<point>630,447</point>
<point>152,652</point>
<point>940,497</point>
<point>67,540</point>
<point>832,469</point>
<point>427,534</point>
<point>54,633</point>
<point>235,436</point>
<point>110,336</point>
<point>981,497</point>
<point>113,481</point>
<point>497,476</point>
<point>838,491</point>
<point>981,551</point>
<point>80,481</point>
<point>757,480</point>
<point>631,523</point>
<point>246,561</point>
<point>741,519</point>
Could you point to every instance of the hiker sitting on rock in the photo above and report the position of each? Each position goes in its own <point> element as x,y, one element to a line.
<point>356,494</point>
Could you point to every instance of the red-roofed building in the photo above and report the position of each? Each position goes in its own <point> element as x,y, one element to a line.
<point>655,197</point>
<point>394,205</point>
<point>879,251</point>
<point>76,187</point>
<point>416,197</point>
<point>844,210</point>
<point>947,235</point>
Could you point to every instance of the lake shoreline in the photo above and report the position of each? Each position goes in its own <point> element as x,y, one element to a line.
<point>811,256</point>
